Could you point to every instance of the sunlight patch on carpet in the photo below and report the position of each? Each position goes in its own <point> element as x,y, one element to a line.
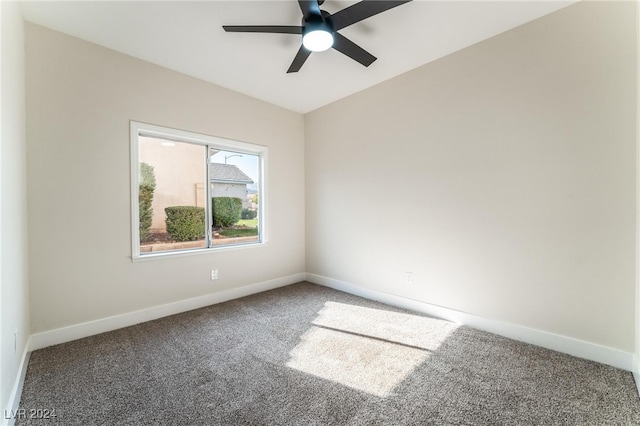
<point>371,350</point>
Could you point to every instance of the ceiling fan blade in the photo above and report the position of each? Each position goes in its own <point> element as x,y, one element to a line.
<point>362,10</point>
<point>309,7</point>
<point>277,29</point>
<point>299,60</point>
<point>352,50</point>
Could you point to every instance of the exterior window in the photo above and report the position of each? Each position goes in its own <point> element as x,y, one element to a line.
<point>192,192</point>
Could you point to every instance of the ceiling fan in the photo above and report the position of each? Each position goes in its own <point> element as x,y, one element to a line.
<point>319,29</point>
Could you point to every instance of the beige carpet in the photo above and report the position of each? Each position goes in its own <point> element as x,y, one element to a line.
<point>308,355</point>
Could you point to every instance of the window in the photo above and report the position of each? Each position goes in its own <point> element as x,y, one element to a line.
<point>192,192</point>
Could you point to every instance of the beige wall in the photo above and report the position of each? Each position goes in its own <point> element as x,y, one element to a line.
<point>503,176</point>
<point>637,353</point>
<point>80,98</point>
<point>179,174</point>
<point>14,289</point>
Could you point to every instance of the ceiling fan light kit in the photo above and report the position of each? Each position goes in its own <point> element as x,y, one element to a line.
<point>319,29</point>
<point>317,35</point>
<point>317,40</point>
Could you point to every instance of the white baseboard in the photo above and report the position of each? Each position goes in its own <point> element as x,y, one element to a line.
<point>556,342</point>
<point>636,372</point>
<point>78,331</point>
<point>8,413</point>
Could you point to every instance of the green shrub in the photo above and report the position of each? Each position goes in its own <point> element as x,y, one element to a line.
<point>145,198</point>
<point>185,223</point>
<point>248,214</point>
<point>226,211</point>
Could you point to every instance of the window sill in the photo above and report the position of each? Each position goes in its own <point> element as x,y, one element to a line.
<point>196,251</point>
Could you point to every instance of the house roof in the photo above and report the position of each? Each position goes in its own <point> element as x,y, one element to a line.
<point>228,173</point>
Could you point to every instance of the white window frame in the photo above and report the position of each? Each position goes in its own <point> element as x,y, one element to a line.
<point>138,129</point>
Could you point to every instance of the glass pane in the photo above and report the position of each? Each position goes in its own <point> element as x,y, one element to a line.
<point>235,197</point>
<point>171,195</point>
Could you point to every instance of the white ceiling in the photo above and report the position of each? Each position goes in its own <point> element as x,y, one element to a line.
<point>187,36</point>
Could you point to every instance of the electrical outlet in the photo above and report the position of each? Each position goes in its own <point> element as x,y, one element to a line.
<point>214,274</point>
<point>408,278</point>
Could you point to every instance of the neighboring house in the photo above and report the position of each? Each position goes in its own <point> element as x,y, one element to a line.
<point>228,180</point>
